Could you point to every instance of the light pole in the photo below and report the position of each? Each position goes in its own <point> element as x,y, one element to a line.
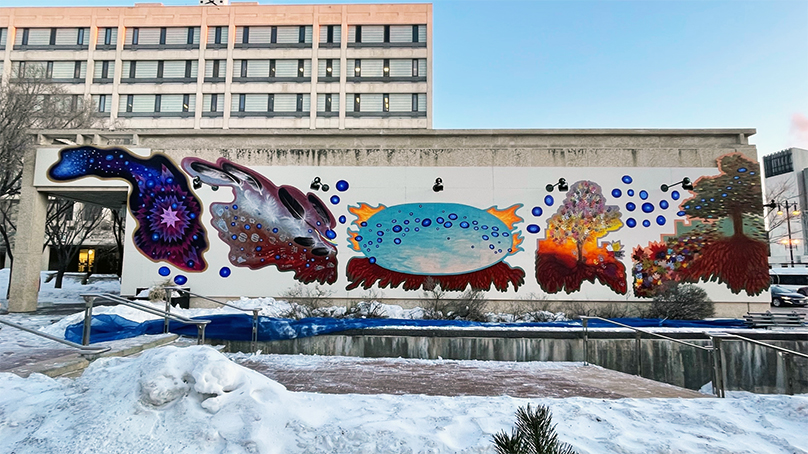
<point>788,207</point>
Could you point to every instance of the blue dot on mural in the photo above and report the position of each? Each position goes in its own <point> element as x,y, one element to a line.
<point>452,216</point>
<point>630,206</point>
<point>342,219</point>
<point>548,200</point>
<point>330,234</point>
<point>426,222</point>
<point>447,224</point>
<point>342,185</point>
<point>627,179</point>
<point>533,228</point>
<point>643,194</point>
<point>647,207</point>
<point>663,204</point>
<point>464,224</point>
<point>646,223</point>
<point>397,241</point>
<point>439,220</point>
<point>485,237</point>
<point>630,192</point>
<point>358,238</point>
<point>631,222</point>
<point>224,272</point>
<point>660,220</point>
<point>380,233</point>
<point>190,263</point>
<point>536,211</point>
<point>396,228</point>
<point>164,271</point>
<point>334,199</point>
<point>616,193</point>
<point>180,279</point>
<point>675,195</point>
<point>490,246</point>
<point>681,213</point>
<point>372,259</point>
<point>742,169</point>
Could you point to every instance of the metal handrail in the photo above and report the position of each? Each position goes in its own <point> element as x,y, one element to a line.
<point>718,374</point>
<point>84,350</point>
<point>254,337</point>
<point>89,298</point>
<point>764,344</point>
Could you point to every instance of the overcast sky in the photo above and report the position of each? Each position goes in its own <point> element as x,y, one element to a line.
<point>613,64</point>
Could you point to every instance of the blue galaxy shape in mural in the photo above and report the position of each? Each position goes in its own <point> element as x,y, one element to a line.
<point>422,244</point>
<point>166,210</point>
<point>269,225</point>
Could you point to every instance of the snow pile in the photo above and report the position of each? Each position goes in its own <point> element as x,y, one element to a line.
<point>194,400</point>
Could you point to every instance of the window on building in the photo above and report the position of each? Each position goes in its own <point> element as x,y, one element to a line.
<point>26,33</point>
<point>357,68</point>
<point>242,102</point>
<point>386,69</point>
<point>160,69</point>
<point>214,102</point>
<point>299,104</point>
<point>358,38</point>
<point>215,68</point>
<point>330,35</point>
<point>218,37</point>
<point>273,35</point>
<point>415,102</point>
<point>414,67</point>
<point>778,163</point>
<point>272,68</point>
<point>329,68</point>
<point>49,70</point>
<point>245,35</point>
<point>163,33</point>
<point>102,103</point>
<point>186,103</point>
<point>386,102</point>
<point>132,69</point>
<point>52,41</point>
<point>415,33</point>
<point>80,37</point>
<point>21,70</point>
<point>271,103</point>
<point>77,70</point>
<point>188,68</point>
<point>135,35</point>
<point>108,37</point>
<point>130,102</point>
<point>356,103</point>
<point>301,34</point>
<point>387,33</point>
<point>243,68</point>
<point>191,35</point>
<point>105,70</point>
<point>158,101</point>
<point>301,68</point>
<point>328,102</point>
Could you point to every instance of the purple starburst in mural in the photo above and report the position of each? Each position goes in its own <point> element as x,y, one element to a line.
<point>166,210</point>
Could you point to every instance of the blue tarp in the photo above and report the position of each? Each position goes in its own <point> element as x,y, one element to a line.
<point>239,326</point>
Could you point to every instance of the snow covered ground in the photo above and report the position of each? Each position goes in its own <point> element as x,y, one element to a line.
<point>196,400</point>
<point>70,291</point>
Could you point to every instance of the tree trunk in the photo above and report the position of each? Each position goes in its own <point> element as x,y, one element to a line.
<point>737,222</point>
<point>580,252</point>
<point>60,274</point>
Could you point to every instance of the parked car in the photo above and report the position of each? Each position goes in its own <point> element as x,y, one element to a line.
<point>783,296</point>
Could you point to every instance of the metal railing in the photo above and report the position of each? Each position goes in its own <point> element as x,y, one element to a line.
<point>253,337</point>
<point>718,373</point>
<point>90,298</point>
<point>84,350</point>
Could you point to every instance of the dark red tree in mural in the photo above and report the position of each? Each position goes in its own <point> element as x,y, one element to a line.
<point>726,242</point>
<point>738,260</point>
<point>570,253</point>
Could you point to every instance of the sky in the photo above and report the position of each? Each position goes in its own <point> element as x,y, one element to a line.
<point>613,64</point>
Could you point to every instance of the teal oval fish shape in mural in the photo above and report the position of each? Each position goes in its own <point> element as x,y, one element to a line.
<point>435,238</point>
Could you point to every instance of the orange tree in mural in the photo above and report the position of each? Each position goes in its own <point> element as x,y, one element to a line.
<point>738,260</point>
<point>726,241</point>
<point>570,254</point>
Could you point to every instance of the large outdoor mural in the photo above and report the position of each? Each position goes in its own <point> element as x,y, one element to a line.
<point>167,212</point>
<point>268,225</point>
<point>725,240</point>
<point>570,253</point>
<point>426,244</point>
<point>711,231</point>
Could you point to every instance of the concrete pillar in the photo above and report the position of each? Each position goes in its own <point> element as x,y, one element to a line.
<point>30,235</point>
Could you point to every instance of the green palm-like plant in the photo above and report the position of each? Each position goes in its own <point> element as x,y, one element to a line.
<point>533,434</point>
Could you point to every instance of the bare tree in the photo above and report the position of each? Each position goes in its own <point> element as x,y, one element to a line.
<point>779,192</point>
<point>29,100</point>
<point>67,227</point>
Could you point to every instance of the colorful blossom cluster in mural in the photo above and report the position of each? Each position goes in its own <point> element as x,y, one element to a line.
<point>570,253</point>
<point>728,242</point>
<point>268,225</point>
<point>166,210</point>
<point>422,244</point>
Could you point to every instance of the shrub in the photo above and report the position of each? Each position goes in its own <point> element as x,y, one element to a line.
<point>470,305</point>
<point>533,434</point>
<point>305,301</point>
<point>681,302</point>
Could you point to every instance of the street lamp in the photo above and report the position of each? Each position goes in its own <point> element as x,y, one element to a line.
<point>789,209</point>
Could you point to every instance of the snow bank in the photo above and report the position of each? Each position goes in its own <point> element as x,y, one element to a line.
<point>194,400</point>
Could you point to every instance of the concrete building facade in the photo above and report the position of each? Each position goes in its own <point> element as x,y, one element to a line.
<point>786,175</point>
<point>218,66</point>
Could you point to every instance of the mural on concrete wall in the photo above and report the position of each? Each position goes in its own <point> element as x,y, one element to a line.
<point>570,253</point>
<point>166,211</point>
<point>725,240</point>
<point>267,225</point>
<point>423,244</point>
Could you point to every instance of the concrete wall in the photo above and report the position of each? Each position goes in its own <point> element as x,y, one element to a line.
<point>749,367</point>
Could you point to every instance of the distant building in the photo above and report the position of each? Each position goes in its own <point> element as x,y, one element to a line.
<point>219,66</point>
<point>786,177</point>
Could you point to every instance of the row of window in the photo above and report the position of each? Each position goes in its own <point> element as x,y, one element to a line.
<point>243,70</point>
<point>218,37</point>
<point>250,104</point>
